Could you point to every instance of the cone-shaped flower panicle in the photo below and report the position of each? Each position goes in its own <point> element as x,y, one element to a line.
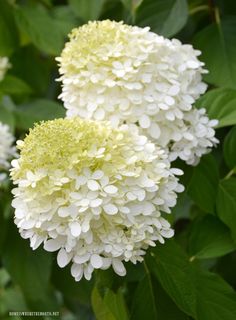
<point>4,66</point>
<point>112,71</point>
<point>7,150</point>
<point>94,193</point>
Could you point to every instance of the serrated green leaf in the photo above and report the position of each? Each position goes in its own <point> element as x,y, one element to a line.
<point>116,303</point>
<point>30,270</point>
<point>210,238</point>
<point>169,264</point>
<point>200,294</point>
<point>6,115</point>
<point>37,110</point>
<point>221,62</point>
<point>12,85</point>
<point>8,31</point>
<point>65,283</point>
<point>87,9</point>
<point>226,204</point>
<point>166,308</point>
<point>202,188</point>
<point>35,70</point>
<point>230,148</point>
<point>64,18</point>
<point>100,309</point>
<point>161,15</point>
<point>144,305</point>
<point>109,307</point>
<point>13,300</point>
<point>35,22</point>
<point>220,104</point>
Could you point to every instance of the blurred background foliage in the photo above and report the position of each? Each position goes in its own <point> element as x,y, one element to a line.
<point>190,277</point>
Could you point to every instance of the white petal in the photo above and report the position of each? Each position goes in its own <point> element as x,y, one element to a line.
<point>110,209</point>
<point>52,245</point>
<point>110,189</point>
<point>154,131</point>
<point>144,121</point>
<point>167,233</point>
<point>98,174</point>
<point>27,224</point>
<point>76,270</point>
<point>95,203</point>
<point>63,258</point>
<point>75,228</point>
<point>118,267</point>
<point>93,185</point>
<point>82,259</point>
<point>96,261</point>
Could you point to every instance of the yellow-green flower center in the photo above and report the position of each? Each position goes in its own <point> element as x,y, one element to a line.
<point>70,143</point>
<point>86,43</point>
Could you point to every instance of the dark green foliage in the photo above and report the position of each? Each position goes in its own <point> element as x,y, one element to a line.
<point>190,277</point>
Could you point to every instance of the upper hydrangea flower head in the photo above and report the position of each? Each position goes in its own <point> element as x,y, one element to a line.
<point>92,192</point>
<point>7,150</point>
<point>4,66</point>
<point>121,73</point>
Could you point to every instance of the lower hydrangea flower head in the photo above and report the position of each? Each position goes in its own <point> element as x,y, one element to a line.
<point>93,193</point>
<point>4,66</point>
<point>7,150</point>
<point>126,74</point>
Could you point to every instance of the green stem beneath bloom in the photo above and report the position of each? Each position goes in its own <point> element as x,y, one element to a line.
<point>230,173</point>
<point>198,9</point>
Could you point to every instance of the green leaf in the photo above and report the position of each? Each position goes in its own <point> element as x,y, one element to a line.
<point>220,104</point>
<point>226,204</point>
<point>221,62</point>
<point>12,85</point>
<point>131,5</point>
<point>64,18</point>
<point>100,309</point>
<point>166,308</point>
<point>230,148</point>
<point>12,299</point>
<point>6,115</point>
<point>202,188</point>
<point>4,278</point>
<point>210,238</point>
<point>116,303</point>
<point>8,31</point>
<point>87,9</point>
<point>169,264</point>
<point>4,223</point>
<point>29,65</point>
<point>65,283</point>
<point>143,305</point>
<point>200,294</point>
<point>30,270</point>
<point>110,307</point>
<point>36,23</point>
<point>227,7</point>
<point>37,110</point>
<point>161,15</point>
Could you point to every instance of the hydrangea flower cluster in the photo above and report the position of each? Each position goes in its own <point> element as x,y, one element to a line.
<point>7,150</point>
<point>93,193</point>
<point>126,74</point>
<point>4,66</point>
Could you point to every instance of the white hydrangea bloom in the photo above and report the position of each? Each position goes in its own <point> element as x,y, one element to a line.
<point>4,66</point>
<point>197,137</point>
<point>92,192</point>
<point>7,151</point>
<point>126,74</point>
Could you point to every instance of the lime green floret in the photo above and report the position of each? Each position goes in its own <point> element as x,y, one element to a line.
<point>86,43</point>
<point>64,144</point>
